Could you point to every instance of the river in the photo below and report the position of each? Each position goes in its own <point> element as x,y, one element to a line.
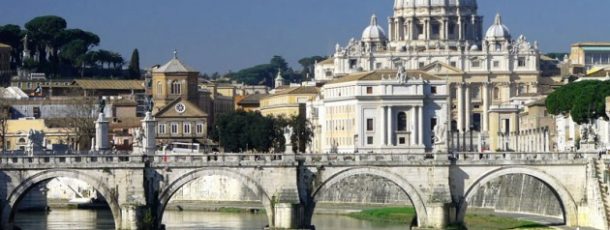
<point>102,219</point>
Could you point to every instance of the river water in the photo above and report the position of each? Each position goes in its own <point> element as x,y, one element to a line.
<point>102,219</point>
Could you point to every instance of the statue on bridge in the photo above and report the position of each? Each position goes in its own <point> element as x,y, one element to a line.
<point>440,133</point>
<point>102,105</point>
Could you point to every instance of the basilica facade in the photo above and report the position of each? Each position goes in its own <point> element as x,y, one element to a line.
<point>488,74</point>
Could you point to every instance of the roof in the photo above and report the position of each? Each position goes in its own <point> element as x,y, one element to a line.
<point>380,74</point>
<point>540,102</point>
<point>300,90</point>
<point>251,99</point>
<point>498,30</point>
<point>174,66</point>
<point>128,122</point>
<point>373,32</point>
<point>2,45</point>
<point>111,84</point>
<point>327,61</point>
<point>591,44</point>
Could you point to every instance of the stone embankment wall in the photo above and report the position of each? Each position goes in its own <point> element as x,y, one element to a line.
<point>517,193</point>
<point>365,189</point>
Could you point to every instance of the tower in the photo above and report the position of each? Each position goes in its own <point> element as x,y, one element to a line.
<point>174,80</point>
<point>279,80</point>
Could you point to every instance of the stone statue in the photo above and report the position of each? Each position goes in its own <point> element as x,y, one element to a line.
<point>401,75</point>
<point>138,137</point>
<point>439,133</point>
<point>102,105</point>
<point>150,104</point>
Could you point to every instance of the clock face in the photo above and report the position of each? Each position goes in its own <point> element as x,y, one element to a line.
<point>180,108</point>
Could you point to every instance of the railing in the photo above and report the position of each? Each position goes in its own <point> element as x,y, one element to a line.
<point>497,156</point>
<point>159,159</point>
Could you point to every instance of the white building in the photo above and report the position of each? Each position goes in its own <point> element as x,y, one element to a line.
<point>483,69</point>
<point>382,111</point>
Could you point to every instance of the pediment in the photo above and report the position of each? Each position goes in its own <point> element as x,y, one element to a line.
<point>180,108</point>
<point>440,69</point>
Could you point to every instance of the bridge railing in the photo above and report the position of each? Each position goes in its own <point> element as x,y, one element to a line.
<point>524,156</point>
<point>219,158</point>
<point>69,159</point>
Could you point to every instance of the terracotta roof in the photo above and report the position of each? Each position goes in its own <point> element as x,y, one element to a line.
<point>111,84</point>
<point>380,74</point>
<point>174,66</point>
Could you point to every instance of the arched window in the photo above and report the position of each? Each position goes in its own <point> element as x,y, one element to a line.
<point>402,121</point>
<point>496,93</point>
<point>159,88</point>
<point>176,87</point>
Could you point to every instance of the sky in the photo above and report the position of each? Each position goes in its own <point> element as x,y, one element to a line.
<point>228,35</point>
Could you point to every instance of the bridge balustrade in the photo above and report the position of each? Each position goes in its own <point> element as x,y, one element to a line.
<point>523,156</point>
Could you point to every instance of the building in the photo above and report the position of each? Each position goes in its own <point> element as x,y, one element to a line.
<point>382,111</point>
<point>52,134</point>
<point>588,55</point>
<point>249,103</point>
<point>484,69</point>
<point>175,92</point>
<point>289,102</point>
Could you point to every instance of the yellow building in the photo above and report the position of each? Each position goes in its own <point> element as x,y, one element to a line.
<point>53,132</point>
<point>288,102</point>
<point>590,54</point>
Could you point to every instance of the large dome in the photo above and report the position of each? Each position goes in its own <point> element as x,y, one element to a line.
<point>399,4</point>
<point>374,32</point>
<point>498,31</point>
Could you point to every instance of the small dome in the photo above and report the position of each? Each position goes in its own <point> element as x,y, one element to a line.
<point>498,31</point>
<point>373,33</point>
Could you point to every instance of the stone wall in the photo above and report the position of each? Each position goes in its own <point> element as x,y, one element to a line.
<point>517,193</point>
<point>214,188</point>
<point>364,189</point>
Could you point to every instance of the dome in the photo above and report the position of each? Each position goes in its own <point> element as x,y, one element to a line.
<point>498,31</point>
<point>399,4</point>
<point>373,33</point>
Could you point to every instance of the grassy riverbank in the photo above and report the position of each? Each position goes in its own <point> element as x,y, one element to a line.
<point>473,221</point>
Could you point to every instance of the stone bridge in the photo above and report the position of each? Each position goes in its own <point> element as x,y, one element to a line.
<point>138,187</point>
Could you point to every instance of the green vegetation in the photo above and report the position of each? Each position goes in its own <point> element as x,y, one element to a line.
<point>474,221</point>
<point>583,100</point>
<point>264,74</point>
<point>56,50</point>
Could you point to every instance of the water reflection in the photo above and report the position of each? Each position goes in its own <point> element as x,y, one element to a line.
<point>66,219</point>
<point>102,219</point>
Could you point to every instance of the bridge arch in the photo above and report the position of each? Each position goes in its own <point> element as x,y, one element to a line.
<point>404,185</point>
<point>567,203</point>
<point>177,184</point>
<point>18,193</point>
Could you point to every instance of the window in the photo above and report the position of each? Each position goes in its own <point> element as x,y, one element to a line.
<point>377,65</point>
<point>369,124</point>
<point>436,29</point>
<point>476,64</point>
<point>161,129</point>
<point>433,89</point>
<point>496,93</point>
<point>451,28</point>
<point>453,64</point>
<point>159,88</point>
<point>186,128</point>
<point>36,112</point>
<point>402,140</point>
<point>402,121</point>
<point>369,90</point>
<point>174,128</point>
<point>496,64</point>
<point>176,88</point>
<point>353,63</point>
<point>421,65</point>
<point>199,128</point>
<point>498,47</point>
<point>521,62</point>
<point>369,140</point>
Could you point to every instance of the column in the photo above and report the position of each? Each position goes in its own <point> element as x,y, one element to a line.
<point>101,133</point>
<point>397,29</point>
<point>420,129</point>
<point>383,126</point>
<point>413,125</point>
<point>467,109</point>
<point>427,29</point>
<point>149,144</point>
<point>460,107</point>
<point>486,106</point>
<point>390,128</point>
<point>391,28</point>
<point>407,30</point>
<point>460,31</point>
<point>546,141</point>
<point>412,30</point>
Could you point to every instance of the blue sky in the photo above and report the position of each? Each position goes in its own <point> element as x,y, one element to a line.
<point>222,35</point>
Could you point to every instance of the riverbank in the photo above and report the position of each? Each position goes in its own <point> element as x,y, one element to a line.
<point>473,221</point>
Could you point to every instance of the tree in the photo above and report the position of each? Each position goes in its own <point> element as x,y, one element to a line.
<point>301,133</point>
<point>46,31</point>
<point>308,65</point>
<point>81,117</point>
<point>12,35</point>
<point>583,101</point>
<point>134,65</point>
<point>243,131</point>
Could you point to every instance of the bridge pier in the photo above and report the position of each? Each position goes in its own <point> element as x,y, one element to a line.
<point>288,212</point>
<point>438,216</point>
<point>132,217</point>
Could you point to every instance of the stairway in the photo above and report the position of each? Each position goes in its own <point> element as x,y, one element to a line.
<point>599,174</point>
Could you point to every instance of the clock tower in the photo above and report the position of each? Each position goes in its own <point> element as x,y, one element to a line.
<point>174,80</point>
